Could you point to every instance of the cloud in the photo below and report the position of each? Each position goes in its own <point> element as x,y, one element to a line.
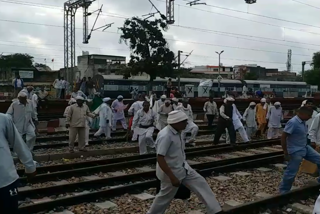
<point>246,43</point>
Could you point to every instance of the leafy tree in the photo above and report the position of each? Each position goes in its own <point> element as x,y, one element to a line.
<point>312,77</point>
<point>15,60</point>
<point>316,60</point>
<point>150,52</point>
<point>250,76</point>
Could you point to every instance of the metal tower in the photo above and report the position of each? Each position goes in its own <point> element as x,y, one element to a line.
<point>170,11</point>
<point>70,10</point>
<point>289,60</point>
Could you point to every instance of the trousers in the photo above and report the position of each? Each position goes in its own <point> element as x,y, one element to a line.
<point>106,130</point>
<point>145,138</point>
<point>123,123</point>
<point>242,133</point>
<point>262,127</point>
<point>222,125</point>
<point>309,154</point>
<point>135,135</point>
<point>9,198</point>
<point>250,131</point>
<point>81,132</point>
<point>30,137</point>
<point>273,133</point>
<point>58,93</point>
<point>191,128</point>
<point>193,181</point>
<point>210,118</point>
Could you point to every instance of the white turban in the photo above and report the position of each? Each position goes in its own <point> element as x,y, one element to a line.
<point>120,97</point>
<point>230,99</point>
<point>277,104</point>
<point>79,98</point>
<point>163,97</point>
<point>176,117</point>
<point>304,102</point>
<point>252,104</point>
<point>175,99</point>
<point>263,100</point>
<point>71,101</point>
<point>167,101</point>
<point>22,94</point>
<point>106,99</point>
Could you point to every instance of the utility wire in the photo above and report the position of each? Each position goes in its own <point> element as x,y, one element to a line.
<point>260,15</point>
<point>202,30</point>
<point>306,4</point>
<point>191,28</point>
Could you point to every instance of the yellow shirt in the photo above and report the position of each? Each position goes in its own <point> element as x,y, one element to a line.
<point>261,114</point>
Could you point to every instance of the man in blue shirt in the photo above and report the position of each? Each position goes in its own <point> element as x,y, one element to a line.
<point>295,148</point>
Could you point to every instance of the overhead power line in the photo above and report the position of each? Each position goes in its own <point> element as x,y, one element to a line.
<point>260,15</point>
<point>180,5</point>
<point>307,4</point>
<point>197,29</point>
<point>243,48</point>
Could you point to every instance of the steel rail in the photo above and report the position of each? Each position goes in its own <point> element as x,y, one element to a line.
<point>215,167</point>
<point>142,158</point>
<point>134,163</point>
<point>96,141</point>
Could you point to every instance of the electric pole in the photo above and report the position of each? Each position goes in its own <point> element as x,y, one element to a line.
<point>179,64</point>
<point>219,77</point>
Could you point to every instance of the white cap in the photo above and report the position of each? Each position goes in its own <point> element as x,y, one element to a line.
<point>175,99</point>
<point>230,99</point>
<point>22,94</point>
<point>304,102</point>
<point>263,100</point>
<point>106,99</point>
<point>163,97</point>
<point>252,104</point>
<point>72,100</point>
<point>79,98</point>
<point>167,101</point>
<point>176,117</point>
<point>225,101</point>
<point>277,104</point>
<point>120,97</point>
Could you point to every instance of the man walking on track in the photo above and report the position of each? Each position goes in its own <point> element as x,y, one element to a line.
<point>173,170</point>
<point>295,147</point>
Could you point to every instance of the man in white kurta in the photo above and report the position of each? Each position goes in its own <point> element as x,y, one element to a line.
<point>238,125</point>
<point>309,103</point>
<point>25,118</point>
<point>274,117</point>
<point>249,118</point>
<point>163,112</point>
<point>157,105</point>
<point>118,107</point>
<point>175,103</point>
<point>29,91</point>
<point>143,123</point>
<point>211,110</point>
<point>173,169</point>
<point>191,127</point>
<point>105,115</point>
<point>134,108</point>
<point>314,131</point>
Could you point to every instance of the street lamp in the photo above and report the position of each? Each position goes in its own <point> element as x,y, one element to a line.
<point>219,77</point>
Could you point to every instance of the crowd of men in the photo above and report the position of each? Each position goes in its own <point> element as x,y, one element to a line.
<point>174,119</point>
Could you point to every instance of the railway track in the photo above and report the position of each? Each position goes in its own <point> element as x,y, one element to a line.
<point>112,177</point>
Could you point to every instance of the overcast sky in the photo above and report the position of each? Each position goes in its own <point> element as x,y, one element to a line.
<point>246,36</point>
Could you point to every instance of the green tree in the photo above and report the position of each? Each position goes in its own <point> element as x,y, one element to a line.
<point>316,60</point>
<point>312,77</point>
<point>150,51</point>
<point>250,76</point>
<point>16,60</point>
